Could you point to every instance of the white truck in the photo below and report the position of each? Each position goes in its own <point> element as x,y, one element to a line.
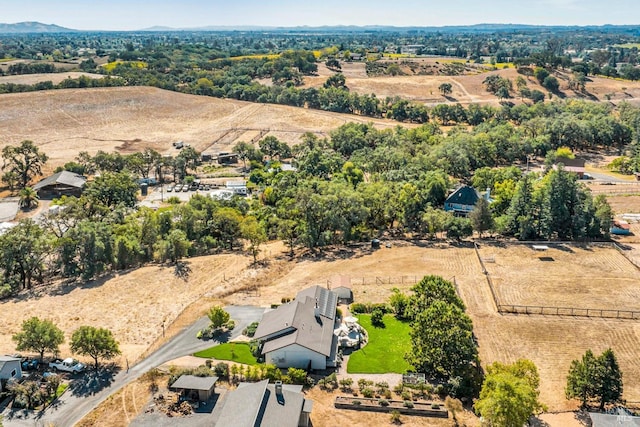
<point>67,365</point>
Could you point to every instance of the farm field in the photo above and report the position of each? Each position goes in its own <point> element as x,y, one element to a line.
<point>133,305</point>
<point>576,276</point>
<point>130,119</point>
<point>468,89</point>
<point>55,78</point>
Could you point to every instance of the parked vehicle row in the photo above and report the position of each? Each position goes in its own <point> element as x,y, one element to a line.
<point>185,187</point>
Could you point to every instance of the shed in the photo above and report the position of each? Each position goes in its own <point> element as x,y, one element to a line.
<point>10,370</point>
<point>61,183</point>
<point>192,387</point>
<point>341,285</point>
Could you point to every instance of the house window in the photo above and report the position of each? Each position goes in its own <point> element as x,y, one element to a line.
<point>13,373</point>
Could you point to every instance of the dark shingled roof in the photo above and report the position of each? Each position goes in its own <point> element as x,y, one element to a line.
<point>257,404</point>
<point>65,178</point>
<point>326,299</point>
<point>296,322</point>
<point>464,195</point>
<point>191,382</point>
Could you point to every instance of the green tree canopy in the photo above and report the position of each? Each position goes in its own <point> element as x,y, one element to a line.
<point>24,161</point>
<point>595,379</point>
<point>40,336</point>
<point>442,343</point>
<point>97,343</point>
<point>218,316</point>
<point>509,394</point>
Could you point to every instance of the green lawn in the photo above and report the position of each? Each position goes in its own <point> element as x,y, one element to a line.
<point>385,350</point>
<point>241,353</point>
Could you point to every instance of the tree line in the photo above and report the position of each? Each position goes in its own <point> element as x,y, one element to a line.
<point>353,186</point>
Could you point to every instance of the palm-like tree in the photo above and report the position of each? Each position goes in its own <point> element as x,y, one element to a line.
<point>28,198</point>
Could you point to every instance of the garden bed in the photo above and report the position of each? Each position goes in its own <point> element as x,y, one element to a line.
<point>423,409</point>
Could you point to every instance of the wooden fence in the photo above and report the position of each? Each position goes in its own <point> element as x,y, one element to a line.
<point>560,311</point>
<point>569,311</point>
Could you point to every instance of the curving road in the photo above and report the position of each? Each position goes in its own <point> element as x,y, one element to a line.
<point>86,393</point>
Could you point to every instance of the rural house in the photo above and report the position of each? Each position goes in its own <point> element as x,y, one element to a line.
<point>572,165</point>
<point>62,183</point>
<point>10,369</point>
<point>299,334</point>
<point>462,201</point>
<point>266,405</point>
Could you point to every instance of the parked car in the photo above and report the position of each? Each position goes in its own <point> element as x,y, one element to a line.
<point>170,188</point>
<point>67,365</point>
<point>178,188</point>
<point>185,188</point>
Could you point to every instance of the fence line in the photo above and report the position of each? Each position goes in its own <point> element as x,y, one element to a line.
<point>569,311</point>
<point>488,276</point>
<point>383,280</point>
<point>560,311</point>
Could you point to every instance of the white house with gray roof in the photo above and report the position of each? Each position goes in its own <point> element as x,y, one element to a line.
<point>299,334</point>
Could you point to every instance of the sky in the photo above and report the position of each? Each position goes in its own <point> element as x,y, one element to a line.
<point>139,14</point>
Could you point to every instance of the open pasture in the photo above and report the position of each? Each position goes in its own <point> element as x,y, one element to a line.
<point>576,276</point>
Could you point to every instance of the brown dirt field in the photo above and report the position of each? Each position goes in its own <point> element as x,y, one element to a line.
<point>30,79</point>
<point>550,342</point>
<point>469,88</point>
<point>624,204</point>
<point>130,119</point>
<point>120,408</point>
<point>132,305</point>
<point>563,276</point>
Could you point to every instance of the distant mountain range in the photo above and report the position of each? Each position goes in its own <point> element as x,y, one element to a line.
<point>388,28</point>
<point>33,27</point>
<point>38,27</point>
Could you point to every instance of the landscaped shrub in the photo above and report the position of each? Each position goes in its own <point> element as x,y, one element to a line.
<point>250,330</point>
<point>398,389</point>
<point>230,325</point>
<point>297,376</point>
<point>364,383</point>
<point>387,394</point>
<point>359,308</point>
<point>346,384</point>
<point>222,370</point>
<point>435,406</point>
<point>377,318</point>
<point>406,395</point>
<point>383,402</point>
<point>395,417</point>
<point>408,404</point>
<point>368,392</point>
<point>356,402</point>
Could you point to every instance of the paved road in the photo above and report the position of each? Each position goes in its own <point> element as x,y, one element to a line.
<point>603,177</point>
<point>86,393</point>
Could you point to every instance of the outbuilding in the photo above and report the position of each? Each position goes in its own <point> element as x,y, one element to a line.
<point>195,388</point>
<point>10,370</point>
<point>63,183</point>
<point>341,285</point>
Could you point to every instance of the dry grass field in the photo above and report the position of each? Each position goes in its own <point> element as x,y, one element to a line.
<point>130,119</point>
<point>134,304</point>
<point>596,277</point>
<point>55,78</point>
<point>468,88</point>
